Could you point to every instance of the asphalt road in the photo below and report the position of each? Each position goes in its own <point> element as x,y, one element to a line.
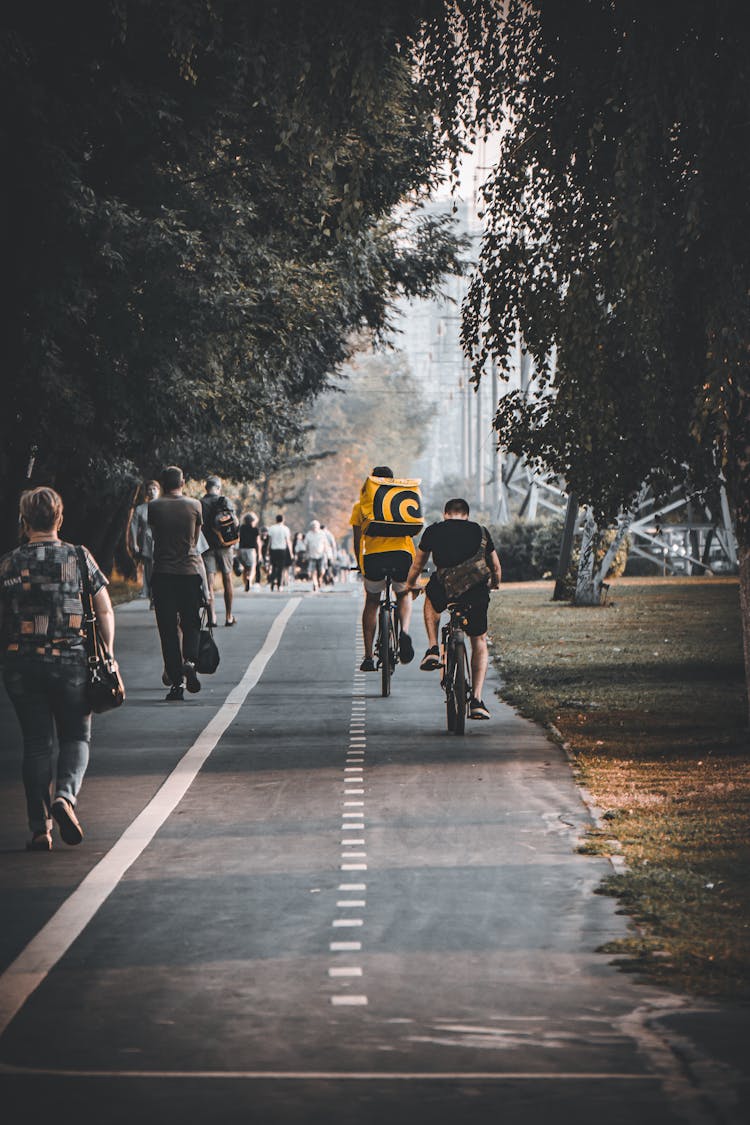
<point>299,902</point>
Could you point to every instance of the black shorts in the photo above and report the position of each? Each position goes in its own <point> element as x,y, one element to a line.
<point>474,603</point>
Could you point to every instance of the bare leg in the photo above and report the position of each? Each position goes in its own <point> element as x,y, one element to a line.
<point>479,660</point>
<point>228,593</point>
<point>404,610</point>
<point>211,597</point>
<point>431,623</point>
<point>369,622</point>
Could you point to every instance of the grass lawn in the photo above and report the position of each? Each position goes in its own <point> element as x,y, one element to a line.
<point>648,695</point>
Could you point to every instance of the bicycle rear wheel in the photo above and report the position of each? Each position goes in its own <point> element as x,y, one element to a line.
<point>459,689</point>
<point>386,656</point>
<point>448,685</point>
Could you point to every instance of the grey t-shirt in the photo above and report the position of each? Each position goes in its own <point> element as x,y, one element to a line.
<point>176,524</point>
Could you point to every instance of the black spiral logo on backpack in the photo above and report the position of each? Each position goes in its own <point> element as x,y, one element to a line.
<point>393,504</point>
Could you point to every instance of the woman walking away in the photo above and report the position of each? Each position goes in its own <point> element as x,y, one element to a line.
<point>41,615</point>
<point>248,548</point>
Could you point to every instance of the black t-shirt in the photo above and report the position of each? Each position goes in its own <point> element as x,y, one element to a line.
<point>249,535</point>
<point>453,541</point>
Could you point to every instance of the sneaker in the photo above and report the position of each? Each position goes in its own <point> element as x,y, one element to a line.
<point>176,694</point>
<point>405,648</point>
<point>192,683</point>
<point>368,665</point>
<point>40,842</point>
<point>431,659</point>
<point>64,815</point>
<point>477,709</point>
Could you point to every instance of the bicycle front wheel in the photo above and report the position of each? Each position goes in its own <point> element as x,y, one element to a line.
<point>386,655</point>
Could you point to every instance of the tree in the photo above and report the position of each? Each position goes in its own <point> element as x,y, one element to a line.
<point>200,200</point>
<point>618,221</point>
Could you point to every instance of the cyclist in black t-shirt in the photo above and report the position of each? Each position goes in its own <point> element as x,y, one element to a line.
<point>453,541</point>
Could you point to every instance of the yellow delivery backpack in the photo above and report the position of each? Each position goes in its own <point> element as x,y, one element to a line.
<point>391,507</point>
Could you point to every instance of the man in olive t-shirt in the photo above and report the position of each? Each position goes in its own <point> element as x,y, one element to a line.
<point>177,583</point>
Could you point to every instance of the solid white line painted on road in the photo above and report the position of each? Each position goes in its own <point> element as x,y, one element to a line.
<point>343,1075</point>
<point>345,946</point>
<point>349,1001</point>
<point>346,971</point>
<point>24,975</point>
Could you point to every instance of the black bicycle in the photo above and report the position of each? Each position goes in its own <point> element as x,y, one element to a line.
<point>456,677</point>
<point>386,641</point>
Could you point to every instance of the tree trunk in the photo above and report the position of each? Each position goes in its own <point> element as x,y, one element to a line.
<point>566,548</point>
<point>588,583</point>
<point>744,570</point>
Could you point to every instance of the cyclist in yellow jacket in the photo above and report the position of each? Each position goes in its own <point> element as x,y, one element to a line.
<point>374,552</point>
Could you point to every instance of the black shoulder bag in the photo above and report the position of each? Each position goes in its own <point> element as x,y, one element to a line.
<point>105,687</point>
<point>459,579</point>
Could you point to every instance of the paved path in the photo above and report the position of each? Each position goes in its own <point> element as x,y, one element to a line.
<point>299,902</point>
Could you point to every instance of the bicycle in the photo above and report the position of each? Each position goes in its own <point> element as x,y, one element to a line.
<point>456,677</point>
<point>386,641</point>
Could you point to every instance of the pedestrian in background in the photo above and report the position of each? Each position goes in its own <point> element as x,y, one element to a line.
<point>140,537</point>
<point>177,581</point>
<point>46,669</point>
<point>316,546</point>
<point>248,548</point>
<point>280,550</point>
<point>299,551</point>
<point>218,557</point>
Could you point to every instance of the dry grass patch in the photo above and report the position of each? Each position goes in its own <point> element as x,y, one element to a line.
<point>648,693</point>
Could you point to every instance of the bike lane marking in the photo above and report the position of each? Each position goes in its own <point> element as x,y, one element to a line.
<point>352,774</point>
<point>24,975</point>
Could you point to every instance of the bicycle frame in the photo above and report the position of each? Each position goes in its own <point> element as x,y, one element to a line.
<point>386,641</point>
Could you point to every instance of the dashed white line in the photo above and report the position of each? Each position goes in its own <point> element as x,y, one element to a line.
<point>343,923</point>
<point>346,1000</point>
<point>344,902</point>
<point>353,866</point>
<point>346,971</point>
<point>345,946</point>
<point>352,886</point>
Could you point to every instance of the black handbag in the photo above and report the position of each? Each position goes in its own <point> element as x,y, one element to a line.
<point>208,653</point>
<point>105,688</point>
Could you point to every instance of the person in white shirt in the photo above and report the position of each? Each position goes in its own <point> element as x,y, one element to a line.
<point>318,551</point>
<point>280,550</point>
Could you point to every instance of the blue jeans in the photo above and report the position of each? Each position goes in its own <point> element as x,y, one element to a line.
<point>48,697</point>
